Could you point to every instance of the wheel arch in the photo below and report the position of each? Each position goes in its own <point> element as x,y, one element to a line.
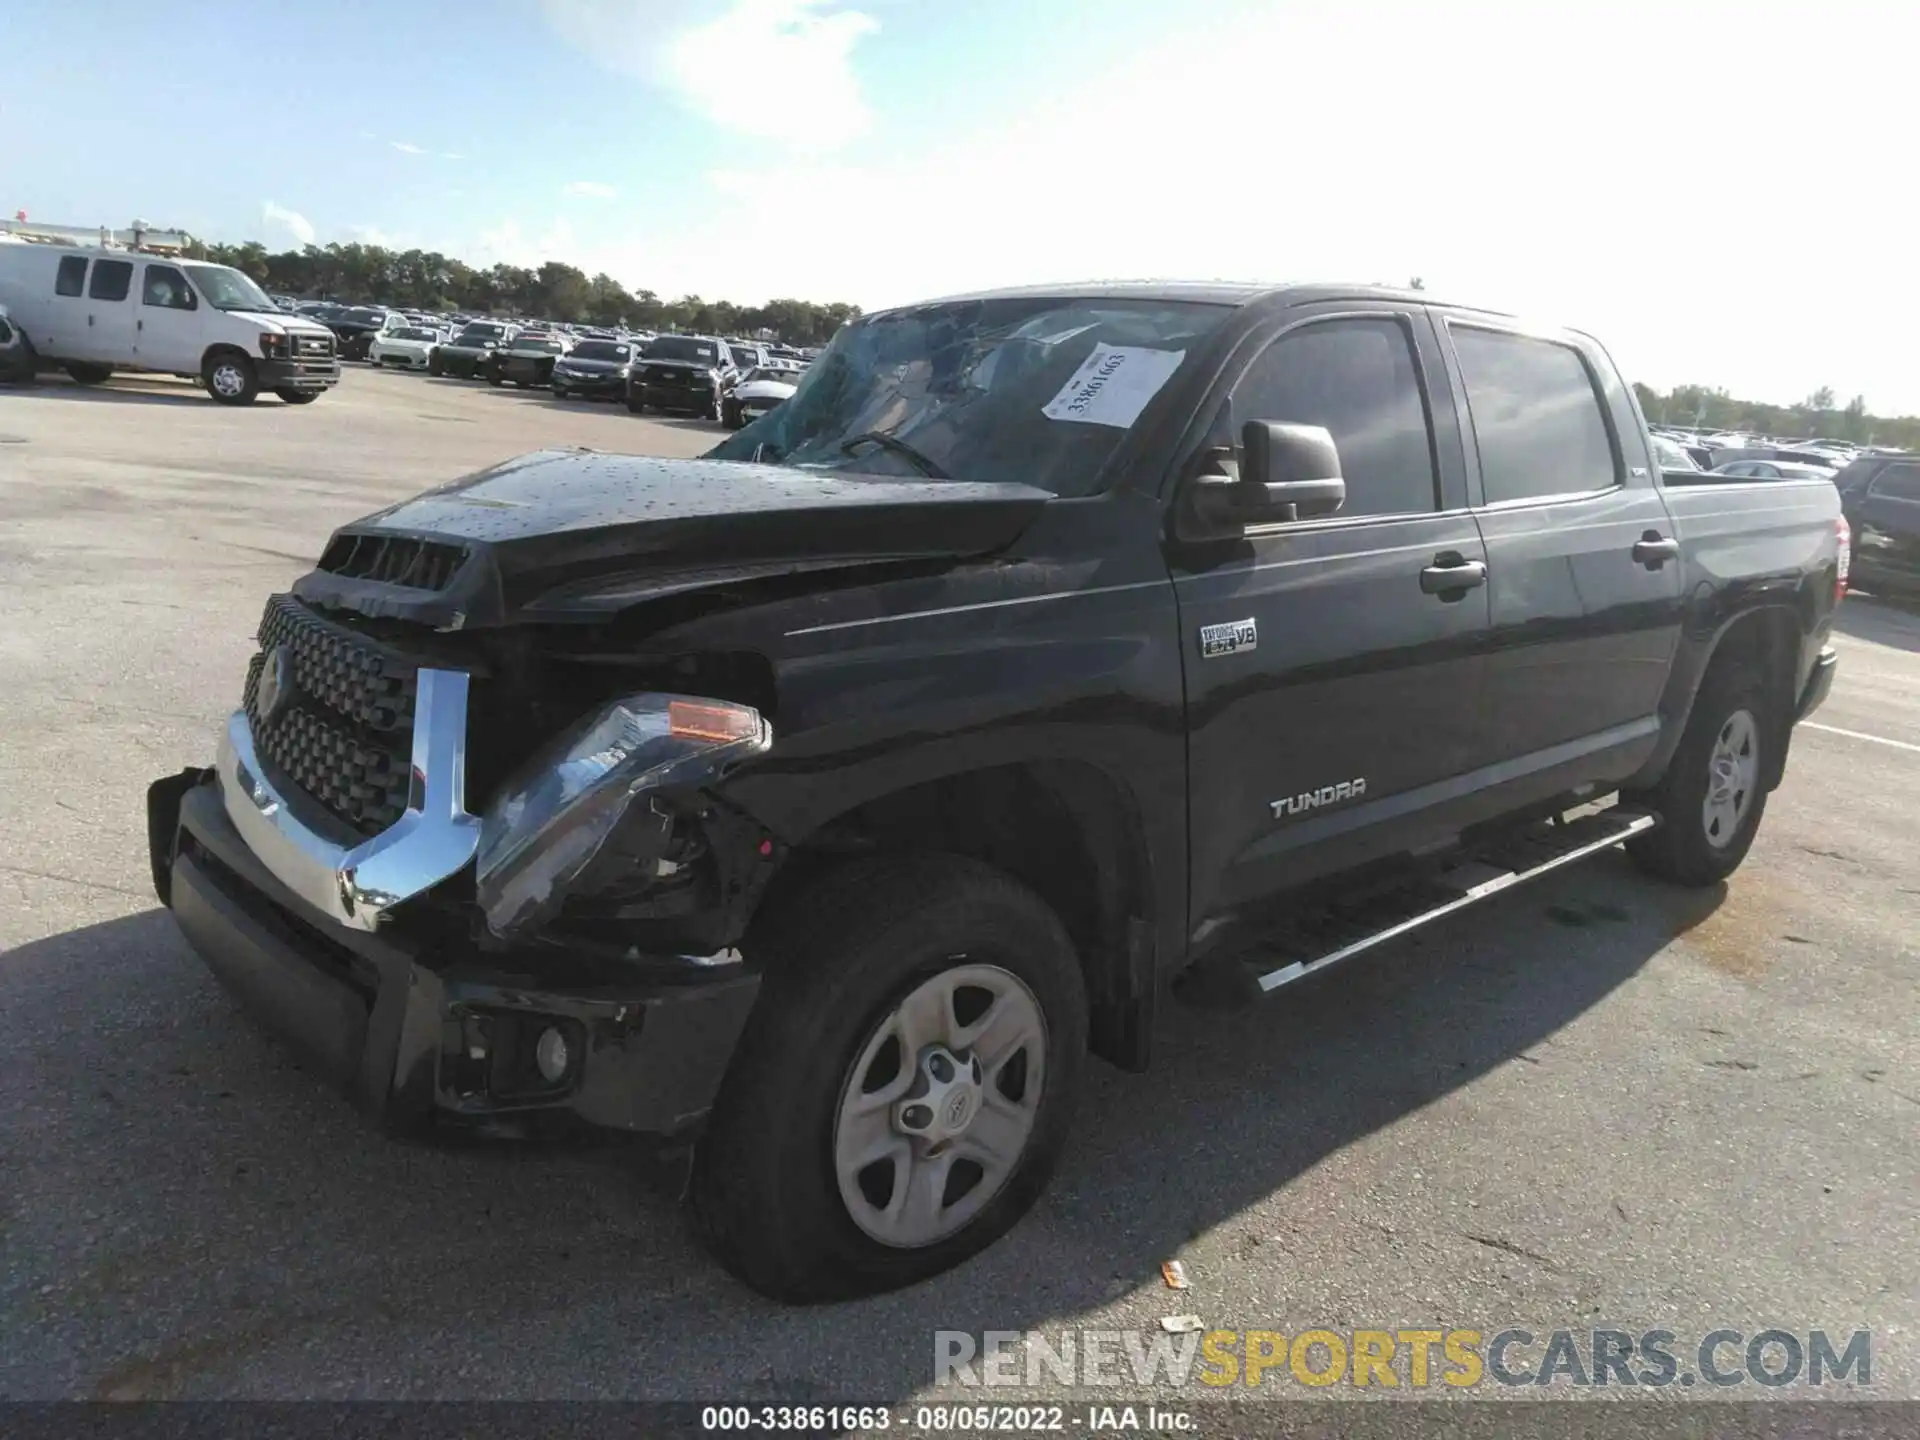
<point>1768,638</point>
<point>222,347</point>
<point>1068,829</point>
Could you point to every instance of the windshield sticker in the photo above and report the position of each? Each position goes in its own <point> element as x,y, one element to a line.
<point>1113,385</point>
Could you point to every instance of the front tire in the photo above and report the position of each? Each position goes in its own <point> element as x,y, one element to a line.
<point>905,1086</point>
<point>230,378</point>
<point>1713,795</point>
<point>636,403</point>
<point>436,367</point>
<point>26,368</point>
<point>297,397</point>
<point>85,374</point>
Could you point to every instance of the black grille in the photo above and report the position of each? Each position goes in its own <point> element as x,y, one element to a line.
<point>394,560</point>
<point>674,375</point>
<point>344,734</point>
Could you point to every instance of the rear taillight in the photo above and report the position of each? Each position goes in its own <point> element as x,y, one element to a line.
<point>1843,534</point>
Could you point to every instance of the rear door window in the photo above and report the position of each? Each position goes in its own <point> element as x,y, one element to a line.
<point>1537,417</point>
<point>112,279</point>
<point>72,279</point>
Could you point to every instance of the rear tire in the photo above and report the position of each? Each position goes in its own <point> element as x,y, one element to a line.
<point>85,374</point>
<point>773,1175</point>
<point>435,366</point>
<point>636,403</point>
<point>1713,795</point>
<point>297,397</point>
<point>495,378</point>
<point>230,378</point>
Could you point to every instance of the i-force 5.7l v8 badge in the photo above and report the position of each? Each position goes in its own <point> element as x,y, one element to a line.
<point>1229,639</point>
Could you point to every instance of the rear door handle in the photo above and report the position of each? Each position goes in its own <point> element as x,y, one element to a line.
<point>1654,550</point>
<point>1450,573</point>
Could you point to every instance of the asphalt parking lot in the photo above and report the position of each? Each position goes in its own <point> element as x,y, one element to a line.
<point>1594,1102</point>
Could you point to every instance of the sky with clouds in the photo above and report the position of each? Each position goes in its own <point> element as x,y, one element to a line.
<point>1718,190</point>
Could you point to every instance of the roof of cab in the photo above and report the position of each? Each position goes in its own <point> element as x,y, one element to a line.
<point>1203,292</point>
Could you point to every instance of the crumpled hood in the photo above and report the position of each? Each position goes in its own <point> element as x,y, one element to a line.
<point>571,535</point>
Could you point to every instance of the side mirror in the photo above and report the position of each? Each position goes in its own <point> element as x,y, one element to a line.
<point>1287,472</point>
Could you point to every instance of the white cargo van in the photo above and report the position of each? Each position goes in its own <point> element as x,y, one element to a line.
<point>95,309</point>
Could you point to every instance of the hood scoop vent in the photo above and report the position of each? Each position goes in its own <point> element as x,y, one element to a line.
<point>394,560</point>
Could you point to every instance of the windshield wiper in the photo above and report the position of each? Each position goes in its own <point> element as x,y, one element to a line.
<point>899,447</point>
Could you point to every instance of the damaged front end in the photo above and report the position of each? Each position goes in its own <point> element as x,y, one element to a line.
<point>472,839</point>
<point>561,952</point>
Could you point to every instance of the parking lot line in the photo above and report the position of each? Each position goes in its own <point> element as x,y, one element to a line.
<point>1861,735</point>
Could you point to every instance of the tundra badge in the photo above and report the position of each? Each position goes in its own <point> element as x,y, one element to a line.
<point>1314,799</point>
<point>1228,639</point>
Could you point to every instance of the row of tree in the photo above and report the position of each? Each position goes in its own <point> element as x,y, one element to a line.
<point>427,280</point>
<point>1817,415</point>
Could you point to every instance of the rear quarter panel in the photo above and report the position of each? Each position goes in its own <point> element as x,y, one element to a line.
<point>1748,547</point>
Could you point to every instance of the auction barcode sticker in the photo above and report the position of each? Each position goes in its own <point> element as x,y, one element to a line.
<point>1113,385</point>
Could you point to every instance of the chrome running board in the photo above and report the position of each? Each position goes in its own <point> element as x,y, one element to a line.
<point>1318,941</point>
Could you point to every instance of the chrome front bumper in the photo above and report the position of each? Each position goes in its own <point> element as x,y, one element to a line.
<point>356,885</point>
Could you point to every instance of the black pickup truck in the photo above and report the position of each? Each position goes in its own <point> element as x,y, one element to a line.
<point>826,801</point>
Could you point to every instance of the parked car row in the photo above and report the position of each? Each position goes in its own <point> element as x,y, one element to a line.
<point>731,381</point>
<point>96,309</point>
<point>1713,450</point>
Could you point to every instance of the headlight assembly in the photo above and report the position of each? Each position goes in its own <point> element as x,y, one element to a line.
<point>551,817</point>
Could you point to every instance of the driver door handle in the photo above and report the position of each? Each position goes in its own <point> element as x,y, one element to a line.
<point>1449,574</point>
<point>1654,550</point>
